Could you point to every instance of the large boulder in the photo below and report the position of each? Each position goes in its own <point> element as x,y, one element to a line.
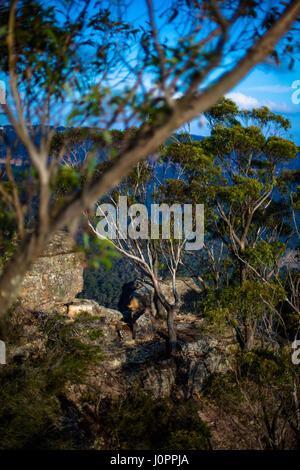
<point>188,291</point>
<point>55,278</point>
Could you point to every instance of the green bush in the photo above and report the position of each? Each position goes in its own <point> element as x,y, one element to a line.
<point>222,389</point>
<point>31,387</point>
<point>142,423</point>
<point>187,440</point>
<point>29,409</point>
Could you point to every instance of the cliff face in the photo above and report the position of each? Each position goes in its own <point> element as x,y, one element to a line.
<point>55,278</point>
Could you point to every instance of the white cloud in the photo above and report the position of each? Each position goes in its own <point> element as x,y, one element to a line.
<point>279,107</point>
<point>249,102</point>
<point>243,101</point>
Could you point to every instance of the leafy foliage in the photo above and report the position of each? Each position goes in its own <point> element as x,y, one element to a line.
<point>142,423</point>
<point>241,301</point>
<point>32,387</point>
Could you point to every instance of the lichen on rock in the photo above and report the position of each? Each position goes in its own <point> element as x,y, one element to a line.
<point>55,278</point>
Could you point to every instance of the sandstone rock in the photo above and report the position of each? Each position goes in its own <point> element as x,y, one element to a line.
<point>157,379</point>
<point>31,340</point>
<point>129,364</point>
<point>143,363</point>
<point>54,278</point>
<point>82,306</point>
<point>144,327</point>
<point>189,293</point>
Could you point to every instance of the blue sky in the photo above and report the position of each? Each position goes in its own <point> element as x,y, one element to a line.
<point>266,86</point>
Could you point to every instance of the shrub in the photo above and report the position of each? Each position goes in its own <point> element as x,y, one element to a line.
<point>31,387</point>
<point>142,423</point>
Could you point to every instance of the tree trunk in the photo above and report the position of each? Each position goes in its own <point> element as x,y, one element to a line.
<point>172,341</point>
<point>297,413</point>
<point>243,272</point>
<point>159,308</point>
<point>249,335</point>
<point>246,339</point>
<point>171,311</point>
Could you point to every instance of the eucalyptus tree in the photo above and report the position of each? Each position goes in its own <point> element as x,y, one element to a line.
<point>150,242</point>
<point>238,173</point>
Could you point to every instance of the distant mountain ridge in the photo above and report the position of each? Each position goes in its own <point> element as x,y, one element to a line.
<point>20,154</point>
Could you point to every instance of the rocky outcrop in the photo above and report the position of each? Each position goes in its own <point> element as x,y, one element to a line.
<point>188,291</point>
<point>126,363</point>
<point>144,363</point>
<point>55,278</point>
<point>51,286</point>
